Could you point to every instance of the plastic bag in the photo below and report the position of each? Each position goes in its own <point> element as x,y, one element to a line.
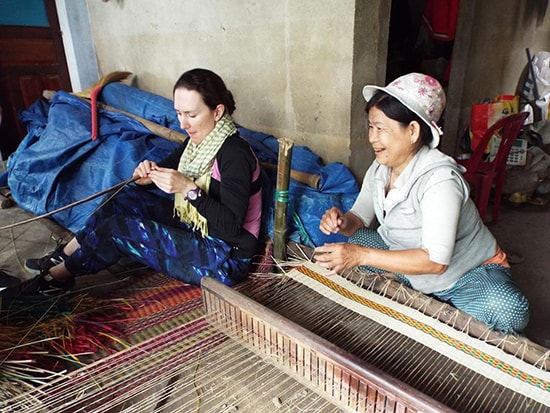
<point>484,115</point>
<point>535,91</point>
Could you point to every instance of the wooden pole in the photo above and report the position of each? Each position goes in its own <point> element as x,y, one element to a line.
<point>311,180</point>
<point>281,199</point>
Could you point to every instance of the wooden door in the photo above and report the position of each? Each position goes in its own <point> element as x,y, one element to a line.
<point>31,59</point>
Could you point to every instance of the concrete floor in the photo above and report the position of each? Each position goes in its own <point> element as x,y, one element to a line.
<point>522,229</point>
<point>34,239</point>
<point>525,230</point>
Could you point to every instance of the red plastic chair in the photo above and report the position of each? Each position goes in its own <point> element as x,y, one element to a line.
<point>484,175</point>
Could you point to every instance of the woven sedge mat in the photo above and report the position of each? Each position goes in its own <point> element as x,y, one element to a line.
<point>160,326</point>
<point>158,304</point>
<point>150,325</point>
<point>517,345</point>
<point>412,359</point>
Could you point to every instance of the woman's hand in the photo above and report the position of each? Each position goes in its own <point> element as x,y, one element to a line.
<point>335,221</point>
<point>338,257</point>
<point>170,180</point>
<point>143,170</point>
<point>332,221</point>
<point>342,256</point>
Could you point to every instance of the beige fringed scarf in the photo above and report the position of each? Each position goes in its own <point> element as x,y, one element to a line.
<point>196,163</point>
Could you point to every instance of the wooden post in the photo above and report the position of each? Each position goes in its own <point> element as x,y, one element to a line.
<point>281,198</point>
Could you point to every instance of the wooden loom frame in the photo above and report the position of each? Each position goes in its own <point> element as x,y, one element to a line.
<point>343,379</point>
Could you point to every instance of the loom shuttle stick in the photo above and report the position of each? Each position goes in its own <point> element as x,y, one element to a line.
<point>63,208</point>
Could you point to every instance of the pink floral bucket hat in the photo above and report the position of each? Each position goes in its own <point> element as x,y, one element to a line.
<point>420,93</point>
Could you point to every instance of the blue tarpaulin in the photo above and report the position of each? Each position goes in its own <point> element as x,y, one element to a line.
<point>57,163</point>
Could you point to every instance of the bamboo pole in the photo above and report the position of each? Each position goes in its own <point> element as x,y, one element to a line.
<point>281,198</point>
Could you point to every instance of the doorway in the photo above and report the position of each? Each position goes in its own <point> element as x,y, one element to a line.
<point>421,38</point>
<point>32,59</point>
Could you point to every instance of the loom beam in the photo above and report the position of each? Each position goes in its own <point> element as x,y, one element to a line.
<point>337,375</point>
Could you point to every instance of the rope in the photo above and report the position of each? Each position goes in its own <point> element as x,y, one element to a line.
<point>48,214</point>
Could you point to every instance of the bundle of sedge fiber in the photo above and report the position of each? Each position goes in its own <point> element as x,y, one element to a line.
<point>42,338</point>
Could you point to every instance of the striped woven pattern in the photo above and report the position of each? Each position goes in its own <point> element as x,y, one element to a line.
<point>165,328</point>
<point>419,325</point>
<point>488,360</point>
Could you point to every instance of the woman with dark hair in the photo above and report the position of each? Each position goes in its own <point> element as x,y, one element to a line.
<point>429,234</point>
<point>208,226</point>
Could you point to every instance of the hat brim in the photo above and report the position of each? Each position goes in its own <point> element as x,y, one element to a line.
<point>370,90</point>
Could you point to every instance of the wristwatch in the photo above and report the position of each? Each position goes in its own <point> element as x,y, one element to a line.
<point>193,194</point>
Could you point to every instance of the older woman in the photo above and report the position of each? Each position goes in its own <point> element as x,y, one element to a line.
<point>430,234</point>
<point>207,226</point>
